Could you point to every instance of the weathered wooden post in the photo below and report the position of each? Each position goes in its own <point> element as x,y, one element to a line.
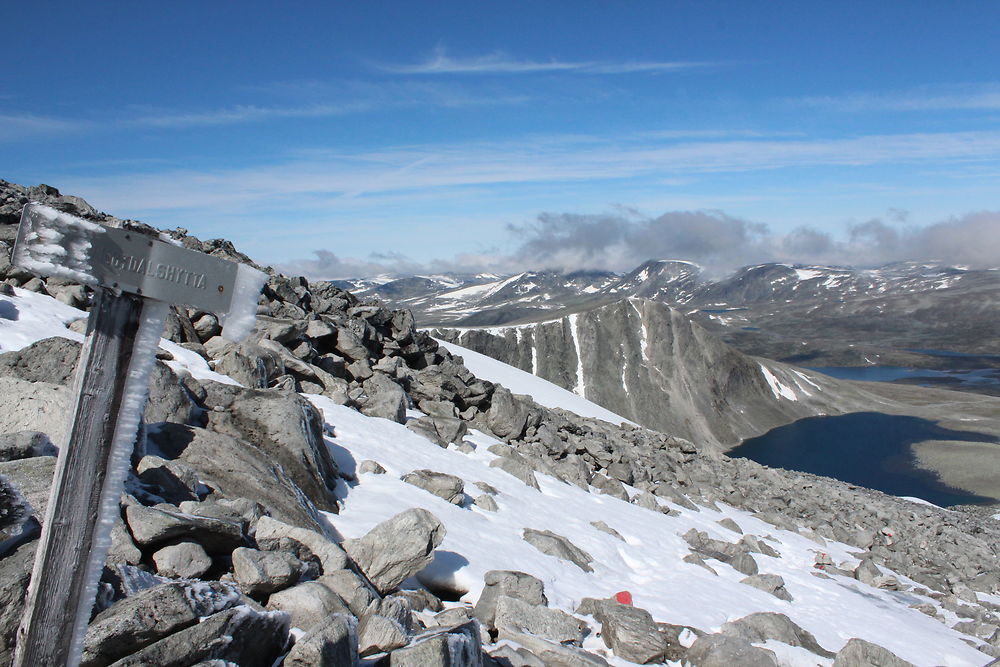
<point>136,277</point>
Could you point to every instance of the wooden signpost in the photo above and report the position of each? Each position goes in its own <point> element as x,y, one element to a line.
<point>136,278</point>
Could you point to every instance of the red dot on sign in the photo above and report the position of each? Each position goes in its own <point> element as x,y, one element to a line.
<point>623,597</point>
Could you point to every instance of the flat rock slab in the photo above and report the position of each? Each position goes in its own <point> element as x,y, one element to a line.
<point>458,646</point>
<point>442,485</point>
<point>558,546</point>
<point>151,526</point>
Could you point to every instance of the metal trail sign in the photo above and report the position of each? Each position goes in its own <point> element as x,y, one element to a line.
<point>136,278</point>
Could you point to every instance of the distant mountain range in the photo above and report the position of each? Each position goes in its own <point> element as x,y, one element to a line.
<point>810,315</point>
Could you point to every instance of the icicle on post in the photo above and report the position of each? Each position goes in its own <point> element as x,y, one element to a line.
<point>136,279</point>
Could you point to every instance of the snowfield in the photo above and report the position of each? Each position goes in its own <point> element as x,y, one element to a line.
<point>647,561</point>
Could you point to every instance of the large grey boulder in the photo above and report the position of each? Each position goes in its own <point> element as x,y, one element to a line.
<point>48,360</point>
<point>413,534</point>
<point>386,399</point>
<point>507,416</point>
<point>150,615</point>
<point>287,428</point>
<point>457,646</point>
<point>274,535</point>
<point>861,653</point>
<point>442,485</point>
<point>759,627</point>
<point>259,572</point>
<point>40,406</point>
<point>440,430</point>
<point>241,636</point>
<point>308,604</point>
<point>237,469</point>
<point>331,643</point>
<point>558,546</point>
<point>727,651</point>
<point>25,445</point>
<point>514,616</point>
<point>631,633</point>
<point>380,634</point>
<point>507,583</point>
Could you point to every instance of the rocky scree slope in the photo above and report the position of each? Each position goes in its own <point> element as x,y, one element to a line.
<point>222,546</point>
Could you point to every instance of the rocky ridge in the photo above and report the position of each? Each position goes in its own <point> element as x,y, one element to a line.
<point>221,533</point>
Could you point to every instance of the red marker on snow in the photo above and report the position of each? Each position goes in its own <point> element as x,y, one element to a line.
<point>624,597</point>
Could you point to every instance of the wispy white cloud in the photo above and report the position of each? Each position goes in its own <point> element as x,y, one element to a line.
<point>337,175</point>
<point>244,114</point>
<point>440,62</point>
<point>26,126</point>
<point>982,97</point>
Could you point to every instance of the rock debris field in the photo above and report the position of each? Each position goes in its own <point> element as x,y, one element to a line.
<point>340,489</point>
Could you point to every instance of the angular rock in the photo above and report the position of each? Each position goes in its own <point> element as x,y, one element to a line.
<point>150,526</point>
<point>860,653</point>
<point>357,593</point>
<point>631,634</point>
<point>744,564</point>
<point>507,416</point>
<point>414,534</point>
<point>442,485</point>
<point>370,467</point>
<point>759,627</point>
<point>241,636</point>
<point>186,560</point>
<point>486,502</point>
<point>514,616</point>
<point>558,546</point>
<point>769,583</point>
<point>248,363</point>
<point>151,615</point>
<point>516,465</point>
<point>379,634</point>
<point>442,431</point>
<point>274,535</point>
<point>605,528</point>
<point>509,583</point>
<point>331,643</point>
<point>239,469</point>
<point>25,445</point>
<point>458,646</point>
<point>551,654</point>
<point>168,399</point>
<point>47,360</point>
<point>259,572</point>
<point>308,604</point>
<point>386,399</point>
<point>289,430</point>
<point>727,651</point>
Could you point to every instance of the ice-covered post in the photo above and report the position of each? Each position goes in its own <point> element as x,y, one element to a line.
<point>136,278</point>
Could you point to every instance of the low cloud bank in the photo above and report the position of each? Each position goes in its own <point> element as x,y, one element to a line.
<point>719,242</point>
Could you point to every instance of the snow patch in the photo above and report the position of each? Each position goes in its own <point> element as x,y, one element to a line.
<point>780,390</point>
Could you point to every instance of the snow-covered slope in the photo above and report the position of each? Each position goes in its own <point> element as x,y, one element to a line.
<point>646,561</point>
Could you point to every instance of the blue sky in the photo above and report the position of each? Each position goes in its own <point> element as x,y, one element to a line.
<point>399,133</point>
